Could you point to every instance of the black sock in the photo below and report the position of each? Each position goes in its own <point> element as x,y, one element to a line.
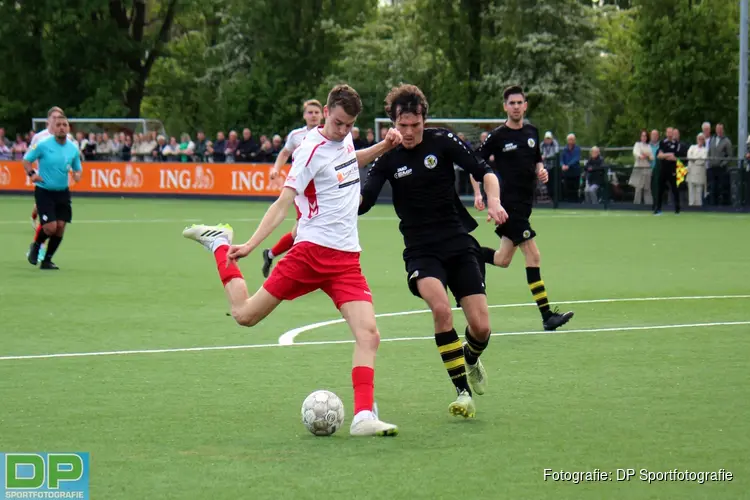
<point>54,242</point>
<point>536,285</point>
<point>452,354</point>
<point>41,238</point>
<point>473,348</point>
<point>488,255</point>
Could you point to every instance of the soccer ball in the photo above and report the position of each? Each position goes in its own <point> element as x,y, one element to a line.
<point>322,413</point>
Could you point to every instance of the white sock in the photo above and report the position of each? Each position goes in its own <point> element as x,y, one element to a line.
<point>220,241</point>
<point>270,254</point>
<point>363,415</point>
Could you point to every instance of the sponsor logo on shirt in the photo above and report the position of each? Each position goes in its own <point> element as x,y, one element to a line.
<point>510,147</point>
<point>402,172</point>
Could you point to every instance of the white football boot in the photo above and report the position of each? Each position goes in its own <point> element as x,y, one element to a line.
<point>366,423</point>
<point>210,237</point>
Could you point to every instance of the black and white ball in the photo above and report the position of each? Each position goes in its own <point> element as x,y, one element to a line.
<point>322,413</point>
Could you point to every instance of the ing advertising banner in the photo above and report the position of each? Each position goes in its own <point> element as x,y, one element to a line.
<point>210,179</point>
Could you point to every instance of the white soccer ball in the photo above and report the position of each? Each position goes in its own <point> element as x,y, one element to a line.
<point>322,413</point>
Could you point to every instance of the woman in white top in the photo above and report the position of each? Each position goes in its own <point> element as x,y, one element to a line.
<point>640,179</point>
<point>696,177</point>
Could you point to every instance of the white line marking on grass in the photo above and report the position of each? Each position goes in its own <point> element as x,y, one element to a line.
<point>288,337</point>
<point>333,342</point>
<point>572,215</point>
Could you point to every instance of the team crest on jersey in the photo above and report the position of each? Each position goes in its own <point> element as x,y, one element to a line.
<point>527,233</point>
<point>532,142</point>
<point>430,161</point>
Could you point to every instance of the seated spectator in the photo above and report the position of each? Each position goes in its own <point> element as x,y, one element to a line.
<point>595,176</point>
<point>218,150</point>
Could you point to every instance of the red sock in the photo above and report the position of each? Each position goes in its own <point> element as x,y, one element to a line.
<point>362,380</point>
<point>285,243</point>
<point>36,234</point>
<point>226,274</point>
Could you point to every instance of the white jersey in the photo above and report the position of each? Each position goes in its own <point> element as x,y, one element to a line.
<point>45,134</point>
<point>295,137</point>
<point>325,175</point>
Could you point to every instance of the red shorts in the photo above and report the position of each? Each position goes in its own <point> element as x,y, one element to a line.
<point>308,267</point>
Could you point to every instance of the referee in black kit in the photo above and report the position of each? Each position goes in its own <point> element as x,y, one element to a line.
<point>440,253</point>
<point>519,164</point>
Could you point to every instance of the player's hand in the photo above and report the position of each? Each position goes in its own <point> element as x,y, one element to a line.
<point>542,175</point>
<point>496,212</point>
<point>478,202</point>
<point>237,252</point>
<point>393,138</point>
<point>274,173</point>
<point>36,178</point>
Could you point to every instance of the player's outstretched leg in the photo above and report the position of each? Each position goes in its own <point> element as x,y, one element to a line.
<point>551,319</point>
<point>246,311</point>
<point>283,245</point>
<point>448,344</point>
<point>477,335</point>
<point>360,316</point>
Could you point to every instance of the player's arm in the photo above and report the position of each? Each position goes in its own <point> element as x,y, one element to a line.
<point>376,178</point>
<point>32,155</point>
<point>272,219</point>
<point>77,168</point>
<point>281,160</point>
<point>541,172</point>
<point>476,166</point>
<point>368,155</point>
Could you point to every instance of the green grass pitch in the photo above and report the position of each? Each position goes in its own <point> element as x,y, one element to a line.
<point>615,391</point>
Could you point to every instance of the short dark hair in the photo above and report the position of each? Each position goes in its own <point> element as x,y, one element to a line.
<point>346,97</point>
<point>406,98</point>
<point>512,90</point>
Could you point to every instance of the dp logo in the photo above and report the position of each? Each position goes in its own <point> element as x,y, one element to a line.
<point>44,475</point>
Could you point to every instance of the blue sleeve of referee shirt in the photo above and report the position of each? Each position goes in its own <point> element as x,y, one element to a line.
<point>32,154</point>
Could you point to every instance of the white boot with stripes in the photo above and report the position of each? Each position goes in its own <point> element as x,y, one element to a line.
<point>211,237</point>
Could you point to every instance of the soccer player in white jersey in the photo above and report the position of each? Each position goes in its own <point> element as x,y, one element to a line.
<point>323,184</point>
<point>312,113</point>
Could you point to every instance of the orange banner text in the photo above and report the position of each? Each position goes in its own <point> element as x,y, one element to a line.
<point>210,179</point>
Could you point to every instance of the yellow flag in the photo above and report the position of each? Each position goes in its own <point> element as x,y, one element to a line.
<point>681,172</point>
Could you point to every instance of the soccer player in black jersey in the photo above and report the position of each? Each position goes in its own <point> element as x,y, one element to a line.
<point>440,253</point>
<point>518,160</point>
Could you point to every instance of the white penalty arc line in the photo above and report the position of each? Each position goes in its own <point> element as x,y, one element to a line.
<point>405,339</point>
<point>350,341</point>
<point>288,337</point>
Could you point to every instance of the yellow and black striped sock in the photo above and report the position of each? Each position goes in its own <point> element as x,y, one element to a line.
<point>473,347</point>
<point>452,353</point>
<point>536,285</point>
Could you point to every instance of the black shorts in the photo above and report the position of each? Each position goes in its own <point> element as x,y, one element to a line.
<point>457,264</point>
<point>517,228</point>
<point>53,205</point>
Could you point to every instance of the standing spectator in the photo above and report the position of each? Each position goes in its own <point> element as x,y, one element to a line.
<point>655,142</point>
<point>232,144</point>
<point>370,139</point>
<point>640,179</point>
<point>383,132</point>
<point>247,149</point>
<point>696,177</point>
<point>667,172</point>
<point>277,145</point>
<point>172,150</point>
<point>158,152</point>
<point>595,176</point>
<point>20,147</point>
<point>127,148</point>
<point>117,146</point>
<point>571,168</point>
<point>358,142</point>
<point>719,152</point>
<point>104,148</point>
<point>5,152</point>
<point>186,148</point>
<point>219,148</point>
<point>149,144</point>
<point>265,155</point>
<point>88,147</point>
<point>4,140</point>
